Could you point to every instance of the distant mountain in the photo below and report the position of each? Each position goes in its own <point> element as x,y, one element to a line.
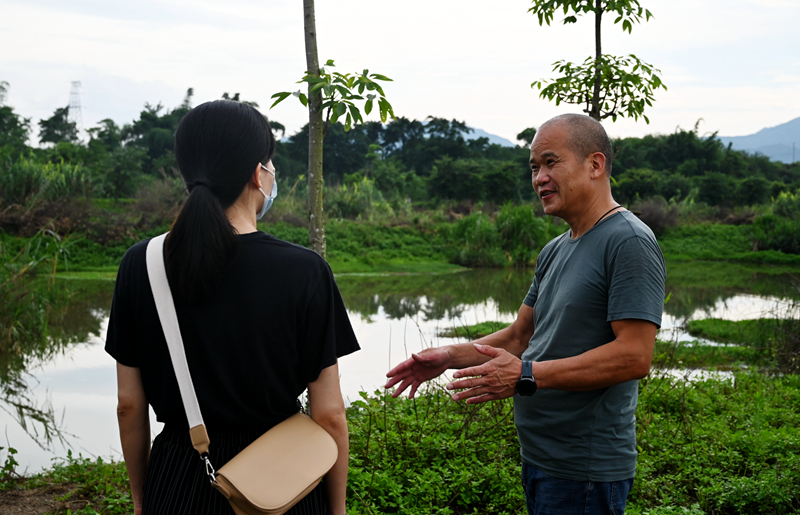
<point>774,142</point>
<point>480,133</point>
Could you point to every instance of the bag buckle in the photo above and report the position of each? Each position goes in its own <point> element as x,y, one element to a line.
<point>210,472</point>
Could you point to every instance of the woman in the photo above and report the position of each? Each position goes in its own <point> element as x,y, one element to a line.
<point>261,320</point>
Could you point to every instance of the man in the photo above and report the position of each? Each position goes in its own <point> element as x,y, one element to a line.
<point>583,336</point>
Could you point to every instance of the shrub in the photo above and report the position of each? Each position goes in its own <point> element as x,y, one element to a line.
<point>522,234</point>
<point>773,232</point>
<point>357,198</point>
<point>787,205</point>
<point>477,241</point>
<point>657,214</point>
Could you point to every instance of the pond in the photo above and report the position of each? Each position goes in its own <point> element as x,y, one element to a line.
<point>65,398</point>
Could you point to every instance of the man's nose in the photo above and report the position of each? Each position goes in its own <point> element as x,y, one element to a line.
<point>541,177</point>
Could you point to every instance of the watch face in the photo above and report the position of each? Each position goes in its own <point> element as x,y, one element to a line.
<point>526,386</point>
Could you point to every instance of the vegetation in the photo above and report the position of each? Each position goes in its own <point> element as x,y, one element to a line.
<point>724,446</point>
<point>464,202</point>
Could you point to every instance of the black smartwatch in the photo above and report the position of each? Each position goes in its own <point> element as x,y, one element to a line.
<point>526,385</point>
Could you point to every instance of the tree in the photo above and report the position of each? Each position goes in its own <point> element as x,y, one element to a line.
<point>58,128</point>
<point>14,129</point>
<point>155,132</point>
<point>527,135</point>
<point>607,85</point>
<point>235,98</point>
<point>323,88</point>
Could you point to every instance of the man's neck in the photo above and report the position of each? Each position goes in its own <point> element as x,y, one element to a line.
<point>582,223</point>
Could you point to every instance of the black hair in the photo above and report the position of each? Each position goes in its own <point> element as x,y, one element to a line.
<point>217,146</point>
<point>586,136</point>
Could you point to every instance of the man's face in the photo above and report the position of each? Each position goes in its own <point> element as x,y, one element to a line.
<point>560,178</point>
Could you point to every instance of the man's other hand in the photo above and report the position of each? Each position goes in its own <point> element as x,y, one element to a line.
<point>419,368</point>
<point>495,379</point>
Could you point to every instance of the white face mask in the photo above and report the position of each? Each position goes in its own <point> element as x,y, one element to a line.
<point>268,199</point>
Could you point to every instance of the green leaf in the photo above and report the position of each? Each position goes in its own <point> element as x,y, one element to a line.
<point>368,106</point>
<point>382,107</point>
<point>340,109</point>
<point>381,77</point>
<point>343,91</point>
<point>303,99</point>
<point>356,114</point>
<point>570,19</point>
<point>280,98</point>
<point>335,113</point>
<point>348,122</point>
<point>329,62</point>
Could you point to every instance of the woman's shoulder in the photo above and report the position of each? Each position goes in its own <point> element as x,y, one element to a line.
<point>136,254</point>
<point>277,248</point>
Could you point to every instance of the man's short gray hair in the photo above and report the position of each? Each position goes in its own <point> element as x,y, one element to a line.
<point>586,136</point>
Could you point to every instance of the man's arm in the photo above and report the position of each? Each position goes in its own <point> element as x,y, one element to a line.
<point>327,409</point>
<point>625,358</point>
<point>509,342</point>
<point>134,429</point>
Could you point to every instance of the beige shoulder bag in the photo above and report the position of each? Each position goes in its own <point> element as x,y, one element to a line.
<point>271,474</point>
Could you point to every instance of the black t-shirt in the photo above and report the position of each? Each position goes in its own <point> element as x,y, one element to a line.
<point>275,322</point>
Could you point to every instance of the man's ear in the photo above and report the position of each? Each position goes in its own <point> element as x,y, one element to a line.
<point>598,164</point>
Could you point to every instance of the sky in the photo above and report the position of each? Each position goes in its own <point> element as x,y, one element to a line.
<point>734,64</point>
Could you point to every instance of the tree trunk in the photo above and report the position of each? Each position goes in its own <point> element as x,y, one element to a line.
<point>598,16</point>
<point>316,217</point>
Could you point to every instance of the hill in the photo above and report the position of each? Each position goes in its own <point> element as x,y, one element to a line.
<point>493,138</point>
<point>774,142</point>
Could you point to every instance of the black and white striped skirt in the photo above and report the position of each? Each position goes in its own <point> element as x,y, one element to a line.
<point>177,484</point>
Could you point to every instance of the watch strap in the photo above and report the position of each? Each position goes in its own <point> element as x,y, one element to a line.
<point>527,369</point>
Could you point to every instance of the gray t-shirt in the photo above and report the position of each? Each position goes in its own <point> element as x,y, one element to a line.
<point>614,271</point>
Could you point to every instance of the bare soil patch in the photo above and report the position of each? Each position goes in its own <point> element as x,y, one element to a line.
<point>37,501</point>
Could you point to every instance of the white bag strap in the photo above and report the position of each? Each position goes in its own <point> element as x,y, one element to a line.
<point>169,323</point>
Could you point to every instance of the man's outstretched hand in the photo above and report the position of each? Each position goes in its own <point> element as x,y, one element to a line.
<point>419,368</point>
<point>496,379</point>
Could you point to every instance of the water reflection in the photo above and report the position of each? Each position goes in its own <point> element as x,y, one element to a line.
<point>86,304</point>
<point>437,297</point>
<point>703,285</point>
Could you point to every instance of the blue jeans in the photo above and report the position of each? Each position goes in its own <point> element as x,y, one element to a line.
<point>548,495</point>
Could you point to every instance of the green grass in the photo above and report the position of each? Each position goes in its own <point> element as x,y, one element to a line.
<point>709,241</point>
<point>759,332</point>
<point>438,246</point>
<point>474,331</point>
<point>694,355</point>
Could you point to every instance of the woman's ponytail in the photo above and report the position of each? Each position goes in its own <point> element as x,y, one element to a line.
<point>218,146</point>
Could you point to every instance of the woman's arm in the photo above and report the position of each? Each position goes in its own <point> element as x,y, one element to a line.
<point>134,429</point>
<point>327,410</point>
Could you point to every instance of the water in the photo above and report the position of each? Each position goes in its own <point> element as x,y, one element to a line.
<point>392,316</point>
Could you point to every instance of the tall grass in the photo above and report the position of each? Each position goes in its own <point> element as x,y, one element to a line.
<point>27,180</point>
